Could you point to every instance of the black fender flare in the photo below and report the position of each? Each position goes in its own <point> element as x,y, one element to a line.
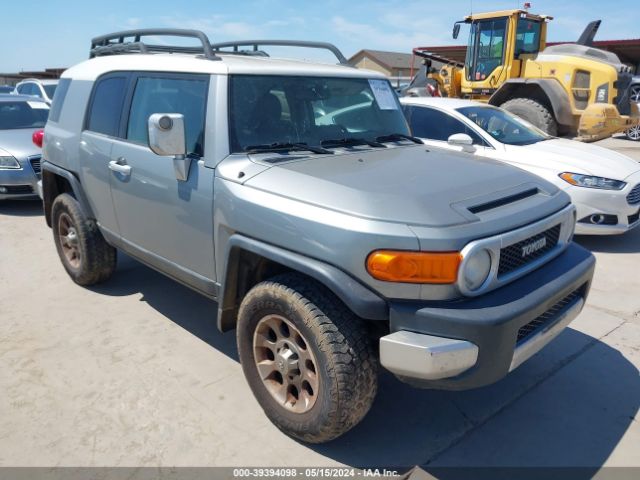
<point>549,87</point>
<point>360,299</point>
<point>73,181</point>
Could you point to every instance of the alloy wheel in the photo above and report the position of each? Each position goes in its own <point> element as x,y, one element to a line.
<point>69,240</point>
<point>285,363</point>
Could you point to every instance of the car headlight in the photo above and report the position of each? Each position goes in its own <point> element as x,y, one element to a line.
<point>9,162</point>
<point>476,269</point>
<point>589,181</point>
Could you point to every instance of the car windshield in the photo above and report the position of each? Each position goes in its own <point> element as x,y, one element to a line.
<point>276,111</point>
<point>50,89</point>
<point>14,115</point>
<point>504,126</point>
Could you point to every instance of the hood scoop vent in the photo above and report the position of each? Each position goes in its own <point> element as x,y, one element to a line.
<point>483,207</point>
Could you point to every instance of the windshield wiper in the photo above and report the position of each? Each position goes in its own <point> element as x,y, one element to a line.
<point>351,142</point>
<point>286,147</point>
<point>394,137</point>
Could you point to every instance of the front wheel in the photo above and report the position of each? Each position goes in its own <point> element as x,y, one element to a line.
<point>534,113</point>
<point>308,360</point>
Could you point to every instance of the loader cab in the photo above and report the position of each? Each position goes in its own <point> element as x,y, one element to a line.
<point>499,43</point>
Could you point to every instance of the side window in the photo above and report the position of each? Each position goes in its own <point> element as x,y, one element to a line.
<point>436,125</point>
<point>58,99</point>
<point>20,89</point>
<point>27,89</point>
<point>187,96</point>
<point>106,105</point>
<point>527,37</point>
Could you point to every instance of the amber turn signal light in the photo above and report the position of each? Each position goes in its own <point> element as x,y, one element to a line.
<point>414,267</point>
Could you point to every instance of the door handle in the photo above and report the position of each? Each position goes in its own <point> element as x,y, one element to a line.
<point>118,166</point>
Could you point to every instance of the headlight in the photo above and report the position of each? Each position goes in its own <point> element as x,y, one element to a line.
<point>9,162</point>
<point>590,181</point>
<point>602,93</point>
<point>477,266</point>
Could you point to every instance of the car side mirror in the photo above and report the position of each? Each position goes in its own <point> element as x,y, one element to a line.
<point>461,140</point>
<point>456,30</point>
<point>167,138</point>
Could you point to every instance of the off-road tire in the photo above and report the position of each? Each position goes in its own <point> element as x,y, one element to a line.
<point>97,259</point>
<point>347,365</point>
<point>533,112</point>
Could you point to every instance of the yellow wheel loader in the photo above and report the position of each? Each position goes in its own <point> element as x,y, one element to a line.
<point>572,89</point>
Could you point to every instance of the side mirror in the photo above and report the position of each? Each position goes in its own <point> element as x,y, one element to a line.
<point>167,138</point>
<point>456,30</point>
<point>461,140</point>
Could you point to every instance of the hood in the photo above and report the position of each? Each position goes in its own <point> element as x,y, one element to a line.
<point>586,158</point>
<point>18,143</point>
<point>412,185</point>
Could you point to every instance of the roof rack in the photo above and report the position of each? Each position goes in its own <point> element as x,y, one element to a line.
<point>131,41</point>
<point>255,45</point>
<point>115,43</point>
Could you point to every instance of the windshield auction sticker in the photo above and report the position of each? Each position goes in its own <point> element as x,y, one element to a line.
<point>384,95</point>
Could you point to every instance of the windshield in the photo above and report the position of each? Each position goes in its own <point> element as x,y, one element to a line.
<point>50,89</point>
<point>269,110</point>
<point>503,126</point>
<point>14,115</point>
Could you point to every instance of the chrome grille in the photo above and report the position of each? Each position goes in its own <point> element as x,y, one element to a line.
<point>514,257</point>
<point>550,315</point>
<point>634,195</point>
<point>35,164</point>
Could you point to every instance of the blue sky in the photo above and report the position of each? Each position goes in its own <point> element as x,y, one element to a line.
<point>57,34</point>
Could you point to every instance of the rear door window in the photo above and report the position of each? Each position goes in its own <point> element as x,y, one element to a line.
<point>106,105</point>
<point>58,99</point>
<point>185,94</point>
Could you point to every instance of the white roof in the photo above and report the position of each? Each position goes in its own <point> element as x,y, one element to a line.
<point>40,80</point>
<point>229,64</point>
<point>440,102</point>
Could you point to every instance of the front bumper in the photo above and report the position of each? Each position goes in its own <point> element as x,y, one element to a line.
<point>18,183</point>
<point>474,342</point>
<point>620,214</point>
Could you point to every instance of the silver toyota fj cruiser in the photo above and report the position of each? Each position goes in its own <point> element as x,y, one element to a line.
<point>293,194</point>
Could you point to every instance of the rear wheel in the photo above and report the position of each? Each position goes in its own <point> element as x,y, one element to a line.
<point>634,132</point>
<point>308,360</point>
<point>533,112</point>
<point>85,254</point>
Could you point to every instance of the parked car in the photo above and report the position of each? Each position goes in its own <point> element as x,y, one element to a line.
<point>317,240</point>
<point>6,89</point>
<point>604,185</point>
<point>42,89</point>
<point>20,118</point>
<point>634,94</point>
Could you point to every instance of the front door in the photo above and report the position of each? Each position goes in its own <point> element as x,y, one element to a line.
<point>434,127</point>
<point>165,221</point>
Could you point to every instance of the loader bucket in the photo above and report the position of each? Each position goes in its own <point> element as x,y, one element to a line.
<point>601,120</point>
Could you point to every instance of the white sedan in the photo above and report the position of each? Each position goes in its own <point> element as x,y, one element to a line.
<point>604,185</point>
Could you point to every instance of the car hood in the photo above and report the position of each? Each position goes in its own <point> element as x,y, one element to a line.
<point>411,185</point>
<point>578,157</point>
<point>18,143</point>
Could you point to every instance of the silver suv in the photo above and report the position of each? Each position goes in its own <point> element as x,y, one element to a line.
<point>293,194</point>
